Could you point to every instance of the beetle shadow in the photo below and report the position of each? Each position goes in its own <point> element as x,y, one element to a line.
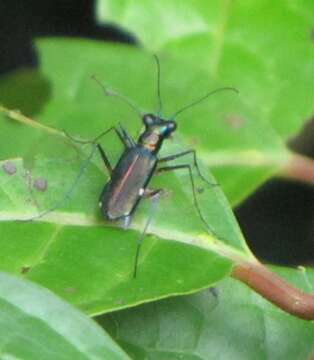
<point>25,90</point>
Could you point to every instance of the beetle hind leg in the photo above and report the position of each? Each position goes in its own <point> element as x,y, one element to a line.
<point>154,195</point>
<point>126,221</point>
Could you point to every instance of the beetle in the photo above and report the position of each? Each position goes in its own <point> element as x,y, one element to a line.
<point>139,162</point>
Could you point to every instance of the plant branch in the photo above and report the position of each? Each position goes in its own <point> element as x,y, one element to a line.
<point>275,289</point>
<point>19,117</point>
<point>299,168</point>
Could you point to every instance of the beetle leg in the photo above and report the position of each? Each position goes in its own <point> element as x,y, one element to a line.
<point>122,134</point>
<point>154,195</point>
<point>104,158</point>
<point>126,222</point>
<point>150,193</point>
<point>124,137</point>
<point>127,138</point>
<point>189,169</point>
<point>195,163</point>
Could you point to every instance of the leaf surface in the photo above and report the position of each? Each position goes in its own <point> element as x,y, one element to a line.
<point>236,324</point>
<point>35,324</point>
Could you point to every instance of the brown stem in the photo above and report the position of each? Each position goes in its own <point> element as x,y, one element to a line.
<point>299,168</point>
<point>275,289</point>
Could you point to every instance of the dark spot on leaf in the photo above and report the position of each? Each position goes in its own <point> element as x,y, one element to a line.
<point>214,298</point>
<point>9,167</point>
<point>40,184</point>
<point>200,190</point>
<point>25,269</point>
<point>214,292</point>
<point>235,121</point>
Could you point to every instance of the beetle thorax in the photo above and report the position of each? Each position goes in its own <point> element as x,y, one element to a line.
<point>156,130</point>
<point>151,139</point>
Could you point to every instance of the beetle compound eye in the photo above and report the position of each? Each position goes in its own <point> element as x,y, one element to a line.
<point>168,129</point>
<point>149,119</point>
<point>172,126</point>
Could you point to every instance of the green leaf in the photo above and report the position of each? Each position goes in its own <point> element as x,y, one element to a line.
<point>238,324</point>
<point>70,250</point>
<point>230,40</point>
<point>35,324</point>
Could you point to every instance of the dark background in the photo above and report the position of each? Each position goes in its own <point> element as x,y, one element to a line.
<point>278,220</point>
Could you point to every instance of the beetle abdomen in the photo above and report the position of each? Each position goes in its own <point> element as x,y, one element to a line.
<point>128,182</point>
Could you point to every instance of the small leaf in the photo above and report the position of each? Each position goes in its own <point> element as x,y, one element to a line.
<point>35,324</point>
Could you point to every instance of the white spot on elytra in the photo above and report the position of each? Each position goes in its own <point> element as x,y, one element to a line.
<point>141,192</point>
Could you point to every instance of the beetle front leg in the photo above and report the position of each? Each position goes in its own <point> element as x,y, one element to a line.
<point>195,163</point>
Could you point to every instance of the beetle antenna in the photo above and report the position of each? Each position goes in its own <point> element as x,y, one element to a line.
<point>202,99</point>
<point>112,93</point>
<point>158,85</point>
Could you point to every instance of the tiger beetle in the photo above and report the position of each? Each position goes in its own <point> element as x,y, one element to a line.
<point>130,177</point>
